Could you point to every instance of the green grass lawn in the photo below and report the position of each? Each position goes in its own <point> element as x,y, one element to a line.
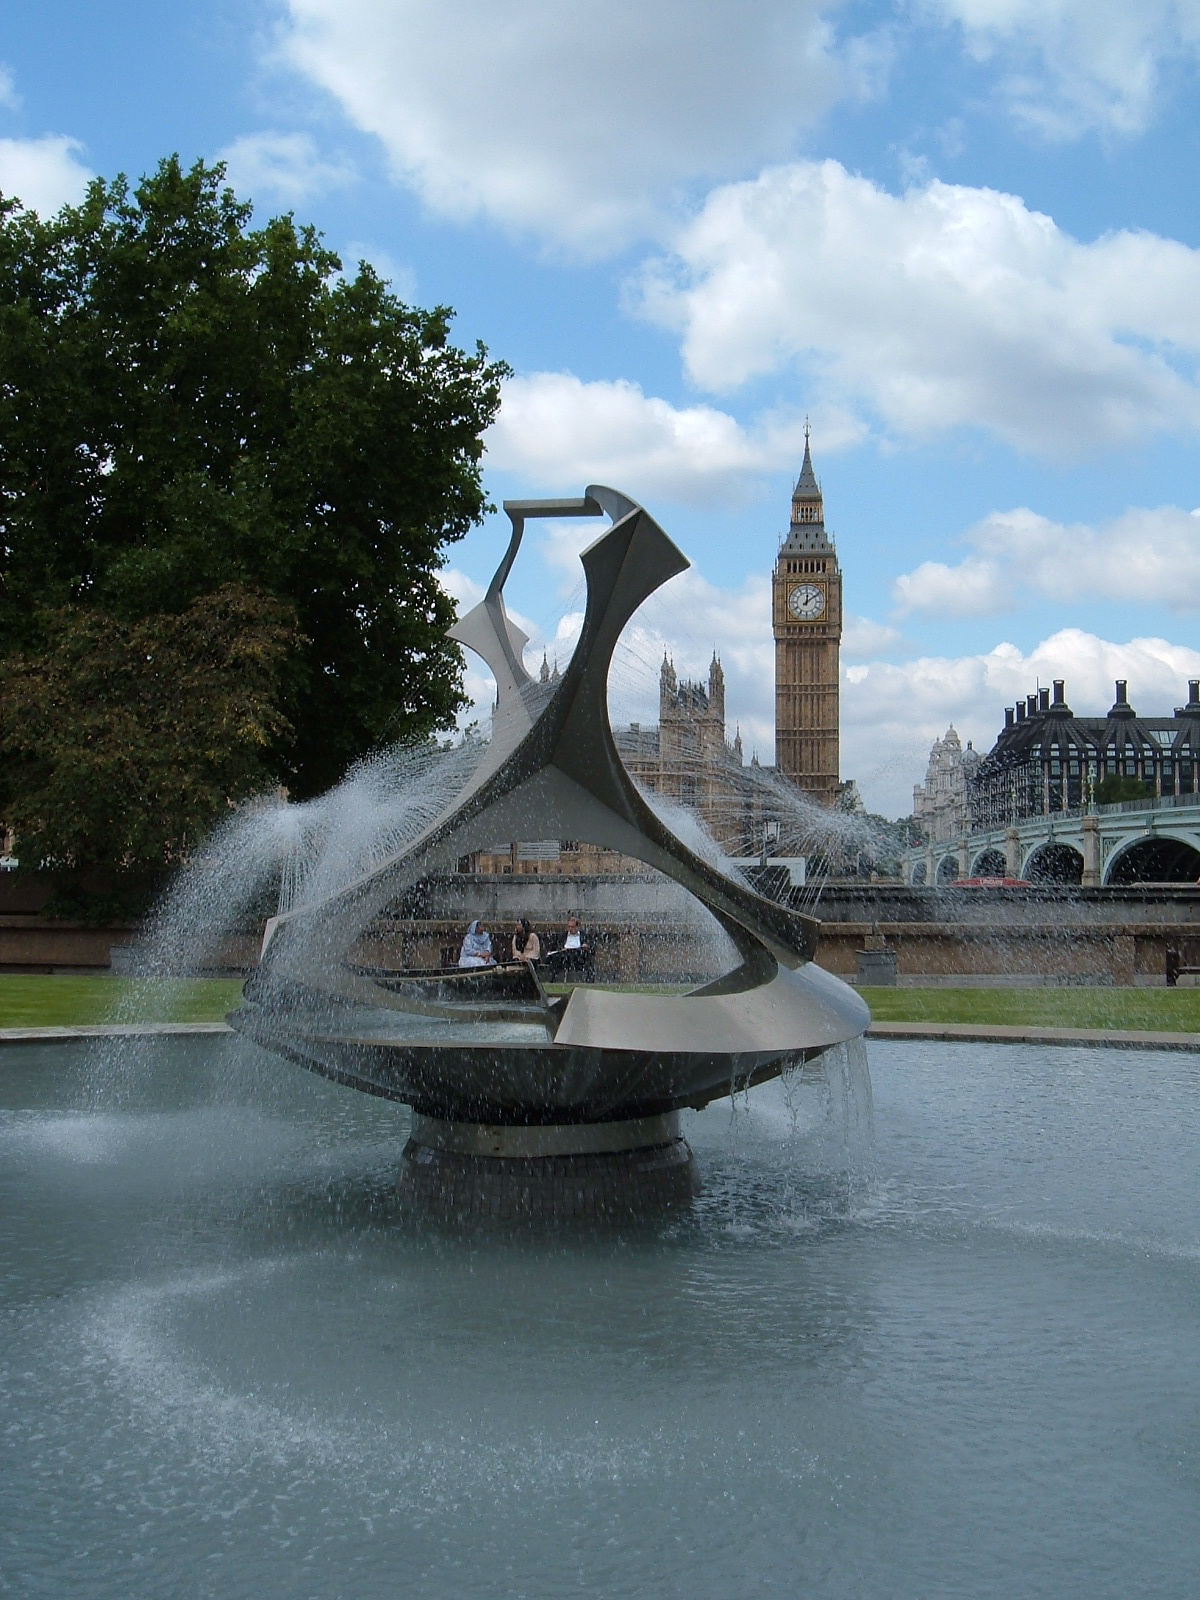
<point>1154,1010</point>
<point>54,1002</point>
<point>46,1002</point>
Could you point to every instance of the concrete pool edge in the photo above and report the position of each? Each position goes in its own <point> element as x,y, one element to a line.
<point>107,1030</point>
<point>943,1032</point>
<point>1001,1033</point>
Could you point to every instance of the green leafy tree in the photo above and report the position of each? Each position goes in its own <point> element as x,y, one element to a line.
<point>1115,789</point>
<point>187,402</point>
<point>127,739</point>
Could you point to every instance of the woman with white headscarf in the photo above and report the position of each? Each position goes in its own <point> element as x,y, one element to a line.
<point>476,947</point>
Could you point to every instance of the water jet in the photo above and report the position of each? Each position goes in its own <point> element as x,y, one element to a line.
<point>530,1103</point>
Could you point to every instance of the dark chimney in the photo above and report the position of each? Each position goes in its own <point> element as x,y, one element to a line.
<point>1030,704</point>
<point>1043,699</point>
<point>1060,697</point>
<point>1193,694</point>
<point>1009,718</point>
<point>1022,709</point>
<point>1121,707</point>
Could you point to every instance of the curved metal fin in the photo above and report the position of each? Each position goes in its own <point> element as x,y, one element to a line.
<point>488,630</point>
<point>623,568</point>
<point>612,501</point>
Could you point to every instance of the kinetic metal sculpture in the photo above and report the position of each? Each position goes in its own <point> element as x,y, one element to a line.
<point>493,1066</point>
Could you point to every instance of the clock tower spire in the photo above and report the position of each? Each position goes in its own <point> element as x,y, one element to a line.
<point>807,622</point>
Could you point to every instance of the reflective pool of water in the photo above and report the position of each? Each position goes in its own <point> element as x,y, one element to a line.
<point>231,1365</point>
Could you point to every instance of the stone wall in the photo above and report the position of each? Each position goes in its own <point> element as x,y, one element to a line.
<point>1035,935</point>
<point>1042,934</point>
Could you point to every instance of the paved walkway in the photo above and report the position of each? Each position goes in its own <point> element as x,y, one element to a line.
<point>943,1032</point>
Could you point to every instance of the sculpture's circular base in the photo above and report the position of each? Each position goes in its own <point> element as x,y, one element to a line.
<point>474,1172</point>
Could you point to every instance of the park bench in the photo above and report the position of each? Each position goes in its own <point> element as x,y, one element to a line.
<point>1181,962</point>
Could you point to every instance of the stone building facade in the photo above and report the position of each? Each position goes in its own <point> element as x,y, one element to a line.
<point>687,758</point>
<point>1047,759</point>
<point>941,805</point>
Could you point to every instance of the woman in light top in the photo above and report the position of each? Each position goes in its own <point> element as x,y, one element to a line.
<point>476,947</point>
<point>526,946</point>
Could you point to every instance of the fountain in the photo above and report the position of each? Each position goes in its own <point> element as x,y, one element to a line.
<point>954,1356</point>
<point>525,1102</point>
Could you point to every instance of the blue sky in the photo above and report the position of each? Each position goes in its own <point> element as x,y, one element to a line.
<point>963,235</point>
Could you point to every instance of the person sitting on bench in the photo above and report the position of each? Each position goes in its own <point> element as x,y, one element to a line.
<point>526,946</point>
<point>476,947</point>
<point>576,953</point>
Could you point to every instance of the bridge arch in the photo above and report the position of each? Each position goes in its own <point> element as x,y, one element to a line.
<point>947,869</point>
<point>917,876</point>
<point>1054,862</point>
<point>990,863</point>
<point>1157,858</point>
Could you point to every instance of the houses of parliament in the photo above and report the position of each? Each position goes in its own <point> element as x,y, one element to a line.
<point>688,758</point>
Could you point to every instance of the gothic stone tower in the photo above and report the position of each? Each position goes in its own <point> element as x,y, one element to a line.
<point>807,622</point>
<point>691,737</point>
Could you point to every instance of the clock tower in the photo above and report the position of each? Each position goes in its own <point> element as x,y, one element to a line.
<point>807,622</point>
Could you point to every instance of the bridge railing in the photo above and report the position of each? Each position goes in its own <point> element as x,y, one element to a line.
<point>1075,813</point>
<point>981,837</point>
<point>1155,803</point>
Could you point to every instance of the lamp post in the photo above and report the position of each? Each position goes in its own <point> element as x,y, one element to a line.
<point>770,837</point>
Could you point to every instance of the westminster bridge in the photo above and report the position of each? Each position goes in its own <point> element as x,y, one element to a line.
<point>1139,841</point>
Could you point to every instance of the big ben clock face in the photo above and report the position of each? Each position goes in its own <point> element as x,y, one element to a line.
<point>806,602</point>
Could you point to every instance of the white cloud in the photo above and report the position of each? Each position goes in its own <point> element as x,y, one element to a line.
<point>1071,65</point>
<point>943,307</point>
<point>461,588</point>
<point>863,639</point>
<point>561,433</point>
<point>401,276</point>
<point>975,588</point>
<point>44,174</point>
<point>287,165</point>
<point>891,713</point>
<point>1143,556</point>
<point>10,100</point>
<point>578,122</point>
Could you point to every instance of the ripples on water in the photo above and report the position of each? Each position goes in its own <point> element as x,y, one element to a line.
<point>962,1361</point>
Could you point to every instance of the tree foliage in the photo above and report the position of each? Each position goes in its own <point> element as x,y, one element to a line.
<point>94,723</point>
<point>188,402</point>
<point>1115,789</point>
